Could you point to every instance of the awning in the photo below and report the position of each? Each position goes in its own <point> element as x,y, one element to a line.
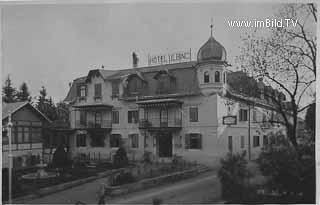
<point>93,106</point>
<point>160,102</point>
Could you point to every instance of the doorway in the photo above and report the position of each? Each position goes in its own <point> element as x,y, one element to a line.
<point>164,144</point>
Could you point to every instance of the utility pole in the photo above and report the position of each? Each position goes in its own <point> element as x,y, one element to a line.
<point>249,137</point>
<point>9,127</point>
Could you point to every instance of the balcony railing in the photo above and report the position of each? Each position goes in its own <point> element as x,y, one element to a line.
<point>93,124</point>
<point>160,123</point>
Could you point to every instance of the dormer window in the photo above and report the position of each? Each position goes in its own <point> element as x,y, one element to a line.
<point>217,76</point>
<point>83,91</point>
<point>206,77</point>
<point>135,85</point>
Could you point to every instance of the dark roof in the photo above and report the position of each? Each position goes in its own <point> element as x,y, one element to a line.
<point>212,50</point>
<point>14,107</point>
<point>184,73</point>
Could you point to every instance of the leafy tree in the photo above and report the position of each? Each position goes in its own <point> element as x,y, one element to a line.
<point>8,91</point>
<point>23,94</point>
<point>286,60</point>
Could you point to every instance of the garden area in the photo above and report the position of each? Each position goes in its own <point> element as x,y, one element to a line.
<point>281,174</point>
<point>119,172</point>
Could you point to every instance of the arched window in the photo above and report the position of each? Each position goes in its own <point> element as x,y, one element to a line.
<point>217,76</point>
<point>206,77</point>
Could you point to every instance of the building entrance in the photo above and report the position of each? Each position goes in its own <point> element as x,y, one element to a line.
<point>164,144</point>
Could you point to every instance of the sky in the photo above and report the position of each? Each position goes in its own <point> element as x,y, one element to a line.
<point>51,45</point>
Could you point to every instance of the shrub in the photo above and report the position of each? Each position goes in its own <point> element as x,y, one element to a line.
<point>290,173</point>
<point>233,176</point>
<point>147,157</point>
<point>122,178</point>
<point>120,159</point>
<point>60,158</point>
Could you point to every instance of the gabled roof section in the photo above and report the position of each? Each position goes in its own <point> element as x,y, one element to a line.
<point>14,107</point>
<point>73,89</point>
<point>99,73</point>
<point>121,73</point>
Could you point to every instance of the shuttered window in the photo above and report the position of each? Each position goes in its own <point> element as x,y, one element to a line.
<point>193,114</point>
<point>97,90</point>
<point>243,115</point>
<point>193,141</point>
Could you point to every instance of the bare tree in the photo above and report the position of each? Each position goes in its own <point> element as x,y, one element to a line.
<point>285,59</point>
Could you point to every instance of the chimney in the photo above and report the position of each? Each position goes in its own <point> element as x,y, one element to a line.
<point>135,60</point>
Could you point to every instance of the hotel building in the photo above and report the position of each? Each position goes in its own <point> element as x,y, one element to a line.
<point>186,109</point>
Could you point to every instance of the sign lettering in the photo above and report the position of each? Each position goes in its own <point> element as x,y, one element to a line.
<point>176,57</point>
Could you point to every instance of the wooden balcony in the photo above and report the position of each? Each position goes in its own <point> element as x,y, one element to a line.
<point>157,123</point>
<point>103,124</point>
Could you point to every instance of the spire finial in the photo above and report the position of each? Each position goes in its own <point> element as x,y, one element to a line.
<point>211,26</point>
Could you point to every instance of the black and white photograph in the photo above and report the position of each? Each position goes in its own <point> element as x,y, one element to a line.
<point>159,102</point>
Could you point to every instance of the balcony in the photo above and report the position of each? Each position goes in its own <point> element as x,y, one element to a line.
<point>156,123</point>
<point>103,124</point>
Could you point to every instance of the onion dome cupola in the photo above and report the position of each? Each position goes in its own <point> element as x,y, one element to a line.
<point>211,64</point>
<point>212,50</point>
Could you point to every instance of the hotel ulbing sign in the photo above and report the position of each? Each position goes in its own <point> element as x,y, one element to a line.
<point>177,57</point>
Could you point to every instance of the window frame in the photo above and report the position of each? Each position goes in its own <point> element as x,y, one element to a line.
<point>133,116</point>
<point>116,137</point>
<point>134,141</point>
<point>217,76</point>
<point>196,117</point>
<point>98,90</point>
<point>193,136</point>
<point>242,142</point>
<point>115,120</point>
<point>206,77</point>
<point>81,140</point>
<point>242,116</point>
<point>256,141</point>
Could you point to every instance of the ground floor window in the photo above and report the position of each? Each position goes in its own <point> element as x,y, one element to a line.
<point>81,140</point>
<point>193,141</point>
<point>230,143</point>
<point>265,140</point>
<point>97,140</point>
<point>242,141</point>
<point>256,141</point>
<point>115,140</point>
<point>134,139</point>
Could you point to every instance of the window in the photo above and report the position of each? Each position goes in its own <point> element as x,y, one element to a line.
<point>242,141</point>
<point>265,140</point>
<point>217,76</point>
<point>81,140</point>
<point>254,115</point>
<point>36,135</point>
<point>133,116</point>
<point>115,140</point>
<point>134,85</point>
<point>193,114</point>
<point>115,89</point>
<point>97,140</point>
<point>83,91</point>
<point>98,119</point>
<point>230,143</point>
<point>83,117</point>
<point>243,115</point>
<point>97,90</point>
<point>206,77</point>
<point>5,139</point>
<point>134,139</point>
<point>115,116</point>
<point>20,135</point>
<point>193,141</point>
<point>256,141</point>
<point>224,77</point>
